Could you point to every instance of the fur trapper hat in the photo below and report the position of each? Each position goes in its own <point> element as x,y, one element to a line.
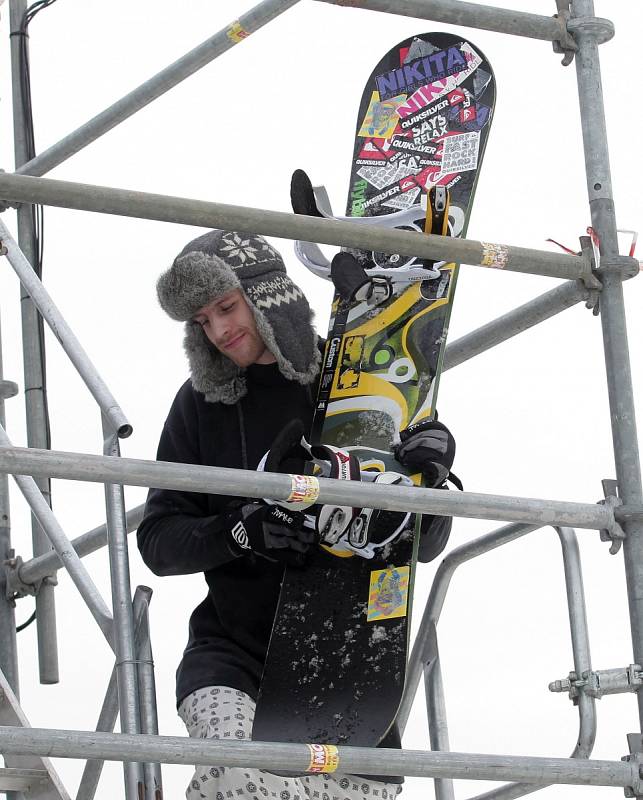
<point>217,263</point>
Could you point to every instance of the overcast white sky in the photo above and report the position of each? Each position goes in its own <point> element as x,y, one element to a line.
<point>530,417</point>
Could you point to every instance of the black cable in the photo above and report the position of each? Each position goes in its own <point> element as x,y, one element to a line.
<point>26,624</point>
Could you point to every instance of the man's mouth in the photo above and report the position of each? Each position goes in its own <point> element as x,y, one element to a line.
<point>234,342</point>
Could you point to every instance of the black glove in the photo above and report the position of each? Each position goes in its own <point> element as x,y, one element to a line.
<point>272,532</point>
<point>430,451</point>
<point>287,453</point>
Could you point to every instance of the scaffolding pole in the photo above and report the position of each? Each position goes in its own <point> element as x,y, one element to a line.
<point>34,377</point>
<point>270,756</point>
<point>147,694</point>
<point>245,483</point>
<point>109,710</point>
<point>124,647</point>
<point>617,361</point>
<point>185,211</point>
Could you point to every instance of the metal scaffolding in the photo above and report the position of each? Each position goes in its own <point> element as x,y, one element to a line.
<point>576,33</point>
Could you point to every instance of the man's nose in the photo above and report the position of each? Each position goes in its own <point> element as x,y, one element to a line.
<point>219,326</point>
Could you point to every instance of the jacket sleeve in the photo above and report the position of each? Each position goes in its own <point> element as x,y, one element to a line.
<point>176,534</point>
<point>434,535</point>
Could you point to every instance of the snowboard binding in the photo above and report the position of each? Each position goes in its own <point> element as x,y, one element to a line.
<point>342,530</point>
<point>355,285</point>
<point>440,217</point>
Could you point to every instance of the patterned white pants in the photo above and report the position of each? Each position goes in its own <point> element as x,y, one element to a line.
<point>218,712</point>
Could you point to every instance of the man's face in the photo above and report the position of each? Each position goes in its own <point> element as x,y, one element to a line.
<point>229,324</point>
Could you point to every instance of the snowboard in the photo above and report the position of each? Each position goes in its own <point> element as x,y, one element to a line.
<point>336,662</point>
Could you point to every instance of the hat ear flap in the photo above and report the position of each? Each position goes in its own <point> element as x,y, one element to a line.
<point>284,322</point>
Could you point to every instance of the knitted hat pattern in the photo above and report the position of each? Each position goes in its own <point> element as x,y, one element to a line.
<point>213,265</point>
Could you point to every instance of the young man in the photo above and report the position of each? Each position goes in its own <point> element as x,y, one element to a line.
<point>254,357</point>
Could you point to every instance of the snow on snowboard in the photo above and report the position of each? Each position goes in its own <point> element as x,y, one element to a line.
<point>336,662</point>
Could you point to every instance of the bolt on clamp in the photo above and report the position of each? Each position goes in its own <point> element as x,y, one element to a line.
<point>566,685</point>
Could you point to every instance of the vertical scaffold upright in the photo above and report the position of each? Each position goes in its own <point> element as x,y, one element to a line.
<point>576,32</point>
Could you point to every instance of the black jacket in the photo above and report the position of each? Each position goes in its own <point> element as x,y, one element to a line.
<point>230,629</point>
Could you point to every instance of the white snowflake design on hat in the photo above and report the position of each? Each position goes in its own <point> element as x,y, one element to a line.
<point>238,248</point>
<point>245,251</point>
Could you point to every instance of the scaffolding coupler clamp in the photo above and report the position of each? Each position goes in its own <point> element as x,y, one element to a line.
<point>635,758</point>
<point>565,44</point>
<point>601,682</point>
<point>7,389</point>
<point>614,533</point>
<point>597,28</point>
<point>589,274</point>
<point>625,266</point>
<point>15,586</point>
<point>5,205</point>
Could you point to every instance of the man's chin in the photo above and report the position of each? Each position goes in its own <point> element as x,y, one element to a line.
<point>239,362</point>
<point>244,357</point>
<point>239,359</point>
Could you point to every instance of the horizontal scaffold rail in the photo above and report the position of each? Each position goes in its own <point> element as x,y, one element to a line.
<point>185,211</point>
<point>297,757</point>
<point>248,483</point>
<point>487,18</point>
<point>472,15</point>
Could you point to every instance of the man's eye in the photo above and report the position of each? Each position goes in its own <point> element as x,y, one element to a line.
<point>227,308</point>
